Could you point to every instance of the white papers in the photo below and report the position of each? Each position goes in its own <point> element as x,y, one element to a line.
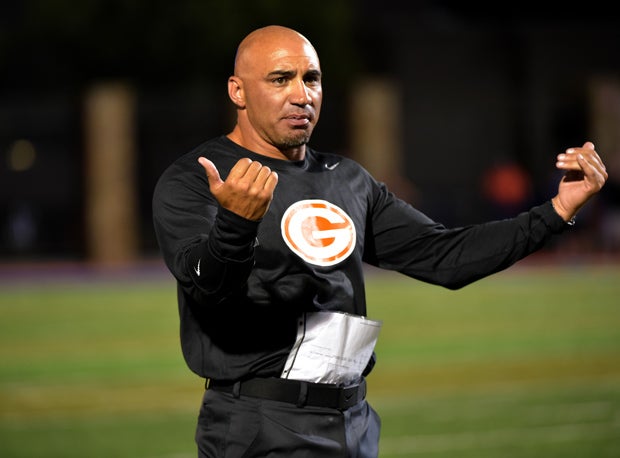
<point>331,347</point>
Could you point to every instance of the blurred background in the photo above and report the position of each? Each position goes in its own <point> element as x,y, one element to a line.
<point>459,107</point>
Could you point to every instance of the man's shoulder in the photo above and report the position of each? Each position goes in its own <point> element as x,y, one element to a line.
<point>215,146</point>
<point>211,148</point>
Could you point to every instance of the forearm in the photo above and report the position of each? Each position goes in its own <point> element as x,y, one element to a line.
<point>454,258</point>
<point>222,263</point>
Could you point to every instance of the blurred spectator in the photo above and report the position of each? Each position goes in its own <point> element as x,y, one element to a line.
<point>21,230</point>
<point>507,188</point>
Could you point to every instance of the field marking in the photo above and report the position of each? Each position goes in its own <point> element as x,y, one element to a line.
<point>577,411</point>
<point>407,445</point>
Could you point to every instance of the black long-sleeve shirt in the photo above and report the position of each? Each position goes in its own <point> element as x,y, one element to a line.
<point>242,284</point>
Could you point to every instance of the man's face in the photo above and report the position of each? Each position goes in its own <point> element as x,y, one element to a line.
<point>282,92</point>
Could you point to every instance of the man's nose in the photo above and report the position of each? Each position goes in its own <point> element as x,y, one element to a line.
<point>300,94</point>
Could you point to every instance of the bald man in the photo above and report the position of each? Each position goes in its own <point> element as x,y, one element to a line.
<point>267,239</point>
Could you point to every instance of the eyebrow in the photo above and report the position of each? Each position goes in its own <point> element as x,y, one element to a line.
<point>315,73</point>
<point>292,73</point>
<point>280,73</point>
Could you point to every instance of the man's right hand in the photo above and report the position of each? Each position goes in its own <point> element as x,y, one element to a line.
<point>248,189</point>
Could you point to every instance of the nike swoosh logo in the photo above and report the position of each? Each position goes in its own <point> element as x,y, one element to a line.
<point>332,166</point>
<point>197,268</point>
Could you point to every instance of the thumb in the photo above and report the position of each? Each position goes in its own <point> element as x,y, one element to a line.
<point>588,145</point>
<point>213,175</point>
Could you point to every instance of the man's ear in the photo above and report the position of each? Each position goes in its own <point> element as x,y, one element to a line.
<point>235,91</point>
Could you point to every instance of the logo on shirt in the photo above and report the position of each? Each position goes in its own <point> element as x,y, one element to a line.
<point>318,232</point>
<point>332,166</point>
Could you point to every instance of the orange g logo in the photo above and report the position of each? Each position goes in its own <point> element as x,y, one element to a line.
<point>318,232</point>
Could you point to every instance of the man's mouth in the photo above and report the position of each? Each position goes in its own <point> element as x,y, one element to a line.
<point>300,120</point>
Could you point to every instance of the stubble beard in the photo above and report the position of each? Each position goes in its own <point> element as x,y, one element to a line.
<point>295,140</point>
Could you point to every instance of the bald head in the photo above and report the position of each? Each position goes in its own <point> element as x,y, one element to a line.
<point>268,42</point>
<point>277,90</point>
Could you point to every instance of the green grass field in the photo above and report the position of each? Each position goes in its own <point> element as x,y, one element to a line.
<point>523,364</point>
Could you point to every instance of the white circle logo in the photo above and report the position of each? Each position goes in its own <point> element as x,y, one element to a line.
<point>318,232</point>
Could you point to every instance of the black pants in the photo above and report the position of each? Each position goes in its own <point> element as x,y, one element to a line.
<point>245,427</point>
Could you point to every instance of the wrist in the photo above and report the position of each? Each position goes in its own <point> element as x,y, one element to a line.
<point>568,217</point>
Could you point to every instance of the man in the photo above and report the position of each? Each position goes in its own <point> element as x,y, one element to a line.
<point>267,237</point>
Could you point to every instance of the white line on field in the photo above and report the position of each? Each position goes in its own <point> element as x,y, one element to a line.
<point>406,445</point>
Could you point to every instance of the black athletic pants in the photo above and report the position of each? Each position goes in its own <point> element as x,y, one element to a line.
<point>246,427</point>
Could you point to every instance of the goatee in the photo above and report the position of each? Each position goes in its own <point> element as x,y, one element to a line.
<point>294,141</point>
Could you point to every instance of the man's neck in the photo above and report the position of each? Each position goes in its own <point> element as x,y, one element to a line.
<point>265,149</point>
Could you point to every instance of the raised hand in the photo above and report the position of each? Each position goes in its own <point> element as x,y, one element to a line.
<point>248,189</point>
<point>585,176</point>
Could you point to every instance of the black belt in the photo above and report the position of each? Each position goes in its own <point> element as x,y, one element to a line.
<point>294,391</point>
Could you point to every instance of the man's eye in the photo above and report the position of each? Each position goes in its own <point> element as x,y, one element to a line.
<point>312,79</point>
<point>279,80</point>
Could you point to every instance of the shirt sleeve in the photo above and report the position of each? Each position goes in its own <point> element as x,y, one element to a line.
<point>209,250</point>
<point>223,262</point>
<point>405,240</point>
